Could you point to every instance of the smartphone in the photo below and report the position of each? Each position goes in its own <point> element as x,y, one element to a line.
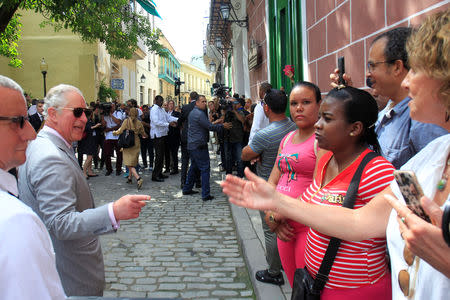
<point>341,68</point>
<point>411,191</point>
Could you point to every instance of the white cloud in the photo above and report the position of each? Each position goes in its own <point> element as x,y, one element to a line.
<point>184,25</point>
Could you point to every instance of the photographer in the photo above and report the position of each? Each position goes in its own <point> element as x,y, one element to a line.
<point>233,138</point>
<point>111,123</point>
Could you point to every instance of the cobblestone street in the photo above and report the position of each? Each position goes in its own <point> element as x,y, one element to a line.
<point>179,247</point>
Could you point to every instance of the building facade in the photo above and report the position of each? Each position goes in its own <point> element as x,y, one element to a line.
<point>308,34</point>
<point>195,79</point>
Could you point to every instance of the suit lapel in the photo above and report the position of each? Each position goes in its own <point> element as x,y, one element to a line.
<point>61,145</point>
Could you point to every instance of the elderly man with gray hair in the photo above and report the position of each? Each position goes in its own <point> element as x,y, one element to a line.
<point>53,185</point>
<point>26,255</point>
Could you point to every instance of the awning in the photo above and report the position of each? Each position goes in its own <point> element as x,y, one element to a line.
<point>150,7</point>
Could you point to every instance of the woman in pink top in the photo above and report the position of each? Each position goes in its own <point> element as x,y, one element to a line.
<point>293,172</point>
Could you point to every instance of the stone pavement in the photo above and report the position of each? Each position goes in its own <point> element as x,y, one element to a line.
<point>181,247</point>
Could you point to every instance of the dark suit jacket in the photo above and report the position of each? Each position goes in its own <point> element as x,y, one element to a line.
<point>174,132</point>
<point>35,121</point>
<point>183,120</point>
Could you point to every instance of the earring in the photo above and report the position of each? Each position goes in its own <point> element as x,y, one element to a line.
<point>352,134</point>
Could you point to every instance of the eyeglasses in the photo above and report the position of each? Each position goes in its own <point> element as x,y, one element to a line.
<point>17,120</point>
<point>404,278</point>
<point>77,111</point>
<point>372,65</point>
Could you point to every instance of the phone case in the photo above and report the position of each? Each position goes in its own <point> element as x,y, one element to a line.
<point>411,191</point>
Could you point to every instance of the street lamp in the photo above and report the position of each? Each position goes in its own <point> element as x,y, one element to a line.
<point>143,79</point>
<point>44,68</point>
<point>218,42</point>
<point>212,67</point>
<point>225,11</point>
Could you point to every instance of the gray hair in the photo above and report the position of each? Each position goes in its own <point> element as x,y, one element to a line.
<point>56,96</point>
<point>11,84</point>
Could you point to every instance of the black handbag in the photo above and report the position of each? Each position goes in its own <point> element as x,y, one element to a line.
<point>305,287</point>
<point>126,139</point>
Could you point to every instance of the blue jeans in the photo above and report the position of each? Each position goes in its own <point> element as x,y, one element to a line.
<point>199,161</point>
<point>233,153</point>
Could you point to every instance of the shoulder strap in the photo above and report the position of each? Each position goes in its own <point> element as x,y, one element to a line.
<point>333,246</point>
<point>286,138</point>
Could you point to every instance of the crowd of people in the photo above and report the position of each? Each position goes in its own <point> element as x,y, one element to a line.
<point>305,165</point>
<point>386,250</point>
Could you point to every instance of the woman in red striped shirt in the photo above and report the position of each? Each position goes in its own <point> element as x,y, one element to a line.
<point>346,129</point>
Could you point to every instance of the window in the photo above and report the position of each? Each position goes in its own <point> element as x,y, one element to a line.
<point>141,95</point>
<point>149,66</point>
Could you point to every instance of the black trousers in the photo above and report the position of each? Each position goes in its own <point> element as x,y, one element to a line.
<point>147,147</point>
<point>158,145</point>
<point>174,145</point>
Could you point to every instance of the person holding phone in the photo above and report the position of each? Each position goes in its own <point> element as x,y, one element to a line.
<point>345,128</point>
<point>423,270</point>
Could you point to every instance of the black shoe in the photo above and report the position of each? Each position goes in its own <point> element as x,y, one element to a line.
<point>108,173</point>
<point>166,171</point>
<point>264,276</point>
<point>174,172</point>
<point>191,192</point>
<point>208,198</point>
<point>158,179</point>
<point>118,173</point>
<point>164,176</point>
<point>129,180</point>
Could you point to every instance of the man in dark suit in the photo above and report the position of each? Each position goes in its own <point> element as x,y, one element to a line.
<point>173,138</point>
<point>37,119</point>
<point>183,124</point>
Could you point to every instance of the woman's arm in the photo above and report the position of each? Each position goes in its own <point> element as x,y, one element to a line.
<point>122,128</point>
<point>370,221</point>
<point>275,174</point>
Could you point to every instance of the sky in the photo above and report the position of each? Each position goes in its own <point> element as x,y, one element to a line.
<point>184,25</point>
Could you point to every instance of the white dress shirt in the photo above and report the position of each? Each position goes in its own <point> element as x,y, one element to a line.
<point>260,120</point>
<point>26,255</point>
<point>159,122</point>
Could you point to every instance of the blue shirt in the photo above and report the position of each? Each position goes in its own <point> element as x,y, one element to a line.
<point>400,137</point>
<point>198,129</point>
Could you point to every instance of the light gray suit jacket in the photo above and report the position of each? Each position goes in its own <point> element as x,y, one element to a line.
<point>53,185</point>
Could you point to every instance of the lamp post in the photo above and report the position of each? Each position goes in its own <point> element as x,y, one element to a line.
<point>44,68</point>
<point>143,79</point>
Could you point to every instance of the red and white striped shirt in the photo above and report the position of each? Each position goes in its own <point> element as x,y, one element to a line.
<point>356,263</point>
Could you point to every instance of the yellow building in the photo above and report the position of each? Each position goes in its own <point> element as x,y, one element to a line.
<point>70,61</point>
<point>169,70</point>
<point>195,79</point>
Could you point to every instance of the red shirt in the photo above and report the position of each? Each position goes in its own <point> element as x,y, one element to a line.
<point>357,263</point>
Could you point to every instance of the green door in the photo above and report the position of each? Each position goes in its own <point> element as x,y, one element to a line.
<point>285,41</point>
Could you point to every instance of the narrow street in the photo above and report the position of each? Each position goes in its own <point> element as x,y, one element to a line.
<point>180,246</point>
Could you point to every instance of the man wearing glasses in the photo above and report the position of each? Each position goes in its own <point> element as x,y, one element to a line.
<point>53,185</point>
<point>400,137</point>
<point>26,255</point>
